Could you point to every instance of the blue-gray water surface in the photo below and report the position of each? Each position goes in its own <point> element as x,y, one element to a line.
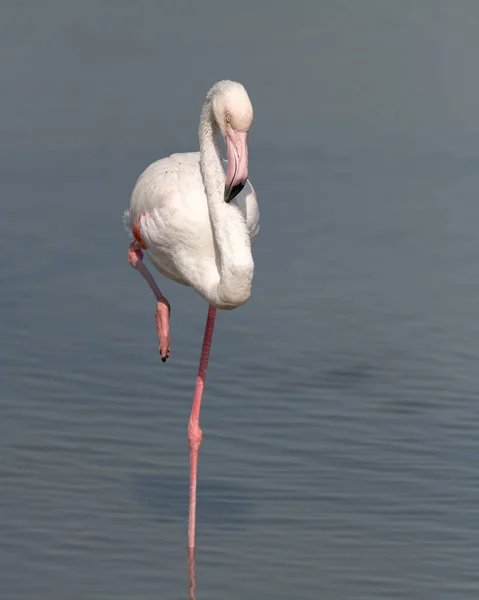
<point>340,417</point>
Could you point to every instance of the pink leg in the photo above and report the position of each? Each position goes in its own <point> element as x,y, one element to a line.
<point>162,315</point>
<point>194,432</point>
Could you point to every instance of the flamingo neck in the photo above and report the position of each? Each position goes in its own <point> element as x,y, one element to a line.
<point>232,240</point>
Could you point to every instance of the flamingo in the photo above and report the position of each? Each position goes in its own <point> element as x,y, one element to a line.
<point>197,225</point>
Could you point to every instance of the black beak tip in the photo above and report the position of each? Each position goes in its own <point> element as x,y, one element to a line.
<point>233,192</point>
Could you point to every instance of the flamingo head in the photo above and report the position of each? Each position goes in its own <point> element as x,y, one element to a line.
<point>233,112</point>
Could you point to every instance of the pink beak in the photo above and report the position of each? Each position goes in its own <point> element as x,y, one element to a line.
<point>237,156</point>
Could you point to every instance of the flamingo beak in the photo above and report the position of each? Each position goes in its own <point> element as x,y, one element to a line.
<point>237,156</point>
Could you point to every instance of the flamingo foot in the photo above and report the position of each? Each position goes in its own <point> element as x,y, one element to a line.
<point>162,317</point>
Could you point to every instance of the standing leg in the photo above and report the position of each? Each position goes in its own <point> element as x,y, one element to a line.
<point>194,432</point>
<point>162,315</point>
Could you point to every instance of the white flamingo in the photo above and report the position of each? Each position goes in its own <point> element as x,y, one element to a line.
<point>197,226</point>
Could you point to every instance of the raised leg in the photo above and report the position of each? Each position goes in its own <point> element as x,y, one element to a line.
<point>162,315</point>
<point>194,432</point>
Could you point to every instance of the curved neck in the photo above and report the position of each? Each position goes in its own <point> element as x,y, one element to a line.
<point>232,240</point>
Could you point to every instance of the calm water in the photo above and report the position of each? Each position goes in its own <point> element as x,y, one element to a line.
<point>340,416</point>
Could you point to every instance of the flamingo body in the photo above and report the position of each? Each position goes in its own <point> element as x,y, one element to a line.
<point>169,204</point>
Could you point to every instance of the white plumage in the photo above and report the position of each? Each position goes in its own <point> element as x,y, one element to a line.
<point>190,233</point>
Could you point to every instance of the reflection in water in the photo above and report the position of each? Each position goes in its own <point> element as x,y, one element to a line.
<point>191,574</point>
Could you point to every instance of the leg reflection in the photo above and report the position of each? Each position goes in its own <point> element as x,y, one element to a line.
<point>191,574</point>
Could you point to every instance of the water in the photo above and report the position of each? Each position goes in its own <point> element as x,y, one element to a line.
<point>340,415</point>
